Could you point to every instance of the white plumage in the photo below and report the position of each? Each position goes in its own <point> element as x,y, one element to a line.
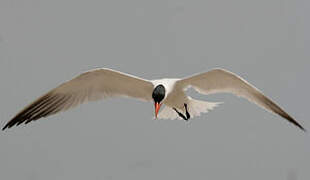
<point>102,83</point>
<point>196,108</point>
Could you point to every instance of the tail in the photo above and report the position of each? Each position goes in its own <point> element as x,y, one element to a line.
<point>195,108</point>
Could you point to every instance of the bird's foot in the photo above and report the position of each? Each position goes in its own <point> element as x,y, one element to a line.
<point>187,117</point>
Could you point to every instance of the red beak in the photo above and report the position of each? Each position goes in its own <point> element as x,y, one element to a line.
<point>157,107</point>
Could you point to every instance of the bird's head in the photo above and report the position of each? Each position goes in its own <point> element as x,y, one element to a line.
<point>158,96</point>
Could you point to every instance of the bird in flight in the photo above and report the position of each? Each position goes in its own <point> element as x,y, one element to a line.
<point>103,83</point>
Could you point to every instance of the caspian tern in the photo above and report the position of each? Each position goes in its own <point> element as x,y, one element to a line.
<point>102,83</point>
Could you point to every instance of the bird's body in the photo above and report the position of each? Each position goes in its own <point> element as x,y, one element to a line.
<point>175,97</point>
<point>101,83</point>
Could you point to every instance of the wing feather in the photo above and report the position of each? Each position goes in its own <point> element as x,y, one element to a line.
<point>223,81</point>
<point>89,86</point>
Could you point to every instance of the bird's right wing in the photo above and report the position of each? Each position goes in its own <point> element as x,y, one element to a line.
<point>222,81</point>
<point>89,86</point>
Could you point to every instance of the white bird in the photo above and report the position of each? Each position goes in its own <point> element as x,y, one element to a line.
<point>102,83</point>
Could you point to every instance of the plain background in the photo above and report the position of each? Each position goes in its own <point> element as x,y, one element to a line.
<point>44,43</point>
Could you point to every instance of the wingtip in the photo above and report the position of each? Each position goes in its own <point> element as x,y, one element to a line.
<point>302,128</point>
<point>5,127</point>
<point>297,124</point>
<point>10,124</point>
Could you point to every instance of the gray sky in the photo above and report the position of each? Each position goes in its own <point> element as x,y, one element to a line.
<point>44,43</point>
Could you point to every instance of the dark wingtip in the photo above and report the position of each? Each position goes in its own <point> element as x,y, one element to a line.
<point>278,110</point>
<point>13,122</point>
<point>293,121</point>
<point>305,130</point>
<point>42,107</point>
<point>4,127</point>
<point>302,128</point>
<point>8,125</point>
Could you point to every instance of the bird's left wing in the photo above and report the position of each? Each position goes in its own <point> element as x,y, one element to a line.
<point>222,81</point>
<point>89,86</point>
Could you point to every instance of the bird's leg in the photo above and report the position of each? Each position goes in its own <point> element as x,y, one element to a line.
<point>181,115</point>
<point>187,113</point>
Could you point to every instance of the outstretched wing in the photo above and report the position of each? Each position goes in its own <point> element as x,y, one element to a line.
<point>222,81</point>
<point>89,86</point>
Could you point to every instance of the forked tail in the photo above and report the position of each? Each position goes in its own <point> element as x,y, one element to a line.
<point>195,108</point>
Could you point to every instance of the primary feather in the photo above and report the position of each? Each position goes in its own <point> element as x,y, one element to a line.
<point>89,86</point>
